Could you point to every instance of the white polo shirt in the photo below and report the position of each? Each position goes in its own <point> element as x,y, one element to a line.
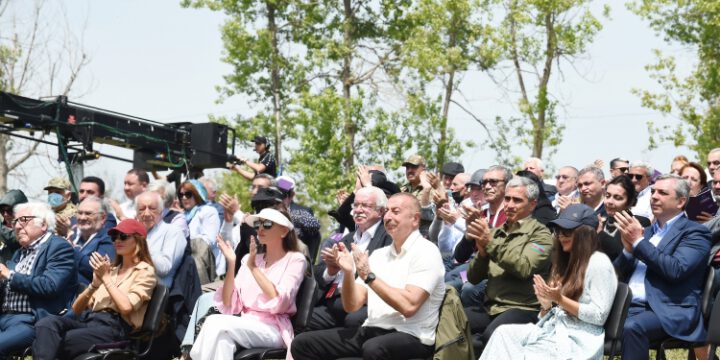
<point>419,264</point>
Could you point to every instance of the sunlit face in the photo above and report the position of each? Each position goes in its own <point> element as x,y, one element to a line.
<point>616,199</point>
<point>590,188</point>
<point>533,167</point>
<point>88,189</point>
<point>257,184</point>
<point>477,195</point>
<point>132,186</point>
<point>458,183</point>
<point>565,181</point>
<point>620,167</point>
<point>639,178</point>
<point>447,180</point>
<point>275,234</point>
<point>676,166</point>
<point>693,178</point>
<point>148,211</point>
<point>187,200</point>
<point>365,211</point>
<point>494,186</point>
<point>125,247</point>
<point>664,202</point>
<point>713,161</point>
<point>412,173</point>
<point>89,218</point>
<point>516,204</point>
<point>400,218</point>
<point>27,229</point>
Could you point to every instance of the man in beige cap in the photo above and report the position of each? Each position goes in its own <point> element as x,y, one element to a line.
<point>59,193</point>
<point>420,187</point>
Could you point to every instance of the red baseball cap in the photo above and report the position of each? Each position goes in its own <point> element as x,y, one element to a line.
<point>129,227</point>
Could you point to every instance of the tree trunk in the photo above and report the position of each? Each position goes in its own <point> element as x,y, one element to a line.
<point>4,169</point>
<point>347,83</point>
<point>542,100</point>
<point>275,82</point>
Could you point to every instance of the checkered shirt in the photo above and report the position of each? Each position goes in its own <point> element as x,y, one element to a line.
<point>16,301</point>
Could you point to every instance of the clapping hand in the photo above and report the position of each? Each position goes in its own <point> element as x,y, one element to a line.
<point>363,176</point>
<point>329,256</point>
<point>226,249</point>
<point>361,261</point>
<point>344,259</point>
<point>546,294</point>
<point>253,252</point>
<point>230,204</point>
<point>479,231</point>
<point>630,229</point>
<point>101,268</point>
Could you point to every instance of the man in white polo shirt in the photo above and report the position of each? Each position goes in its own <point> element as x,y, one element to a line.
<point>403,287</point>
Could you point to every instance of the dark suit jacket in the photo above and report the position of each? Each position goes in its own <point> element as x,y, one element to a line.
<point>674,278</point>
<point>102,243</point>
<point>381,239</point>
<point>52,286</point>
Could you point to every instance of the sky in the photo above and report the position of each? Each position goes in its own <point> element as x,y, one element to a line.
<point>159,61</point>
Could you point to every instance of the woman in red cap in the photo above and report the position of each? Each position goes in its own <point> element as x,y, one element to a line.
<point>112,306</point>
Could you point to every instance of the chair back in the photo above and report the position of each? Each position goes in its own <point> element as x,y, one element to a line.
<point>304,302</point>
<point>618,313</point>
<point>708,293</point>
<point>713,334</point>
<point>155,309</point>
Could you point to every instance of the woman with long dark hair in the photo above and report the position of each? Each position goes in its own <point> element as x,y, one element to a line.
<point>262,293</point>
<point>575,302</point>
<point>111,307</point>
<point>620,195</point>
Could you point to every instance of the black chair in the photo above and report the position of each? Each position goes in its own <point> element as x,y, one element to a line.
<point>705,303</point>
<point>713,335</point>
<point>139,342</point>
<point>616,320</point>
<point>304,302</point>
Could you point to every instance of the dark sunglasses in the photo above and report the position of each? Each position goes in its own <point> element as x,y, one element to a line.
<point>637,177</point>
<point>186,195</point>
<point>492,182</point>
<point>121,236</point>
<point>564,232</point>
<point>622,169</point>
<point>267,224</point>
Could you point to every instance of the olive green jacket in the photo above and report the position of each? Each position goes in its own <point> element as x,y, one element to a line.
<point>515,253</point>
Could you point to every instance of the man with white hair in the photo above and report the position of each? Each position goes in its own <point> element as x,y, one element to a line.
<point>641,175</point>
<point>211,187</point>
<point>713,160</point>
<point>536,166</point>
<point>369,235</point>
<point>41,278</point>
<point>169,216</point>
<point>166,243</point>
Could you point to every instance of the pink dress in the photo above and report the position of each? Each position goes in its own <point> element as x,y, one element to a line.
<point>248,298</point>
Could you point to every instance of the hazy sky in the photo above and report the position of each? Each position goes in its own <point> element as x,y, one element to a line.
<point>156,60</point>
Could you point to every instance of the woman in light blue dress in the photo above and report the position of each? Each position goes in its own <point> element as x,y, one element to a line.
<point>575,301</point>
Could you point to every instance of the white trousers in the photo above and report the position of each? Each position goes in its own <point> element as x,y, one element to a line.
<point>222,334</point>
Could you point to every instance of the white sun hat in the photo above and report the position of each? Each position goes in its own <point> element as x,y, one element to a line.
<point>272,215</point>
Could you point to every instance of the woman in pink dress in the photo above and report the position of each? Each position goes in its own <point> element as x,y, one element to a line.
<point>256,304</point>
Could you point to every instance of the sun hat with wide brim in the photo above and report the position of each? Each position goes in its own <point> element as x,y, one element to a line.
<point>272,215</point>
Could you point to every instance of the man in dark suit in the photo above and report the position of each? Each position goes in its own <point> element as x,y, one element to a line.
<point>91,236</point>
<point>40,279</point>
<point>369,235</point>
<point>665,268</point>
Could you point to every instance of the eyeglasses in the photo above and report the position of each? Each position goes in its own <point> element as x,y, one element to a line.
<point>356,206</point>
<point>266,224</point>
<point>23,220</point>
<point>715,163</point>
<point>121,236</point>
<point>564,232</point>
<point>185,194</point>
<point>622,169</point>
<point>492,182</point>
<point>564,177</point>
<point>637,177</point>
<point>85,213</point>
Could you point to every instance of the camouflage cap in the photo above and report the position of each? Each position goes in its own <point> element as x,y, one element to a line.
<point>414,160</point>
<point>58,183</point>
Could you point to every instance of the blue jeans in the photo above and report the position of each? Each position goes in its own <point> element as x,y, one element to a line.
<point>17,332</point>
<point>473,295</point>
<point>202,305</point>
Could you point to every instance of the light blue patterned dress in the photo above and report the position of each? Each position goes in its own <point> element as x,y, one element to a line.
<point>559,335</point>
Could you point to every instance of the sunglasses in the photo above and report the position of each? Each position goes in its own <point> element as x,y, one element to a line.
<point>637,177</point>
<point>564,177</point>
<point>266,224</point>
<point>23,220</point>
<point>121,236</point>
<point>564,232</point>
<point>185,194</point>
<point>492,182</point>
<point>622,169</point>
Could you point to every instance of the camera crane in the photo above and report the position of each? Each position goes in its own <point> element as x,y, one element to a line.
<point>77,127</point>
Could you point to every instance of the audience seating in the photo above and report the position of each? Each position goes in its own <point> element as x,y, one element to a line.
<point>705,303</point>
<point>141,341</point>
<point>304,303</point>
<point>616,320</point>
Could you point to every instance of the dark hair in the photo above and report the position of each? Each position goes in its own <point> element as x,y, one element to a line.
<point>625,182</point>
<point>141,174</point>
<point>142,251</point>
<point>617,160</point>
<point>97,181</point>
<point>699,168</point>
<point>569,268</point>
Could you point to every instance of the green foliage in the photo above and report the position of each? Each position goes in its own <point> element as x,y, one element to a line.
<point>693,98</point>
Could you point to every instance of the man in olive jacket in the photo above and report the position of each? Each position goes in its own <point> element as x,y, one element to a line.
<point>508,257</point>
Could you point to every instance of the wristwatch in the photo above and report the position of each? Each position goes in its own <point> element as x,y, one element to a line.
<point>370,278</point>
